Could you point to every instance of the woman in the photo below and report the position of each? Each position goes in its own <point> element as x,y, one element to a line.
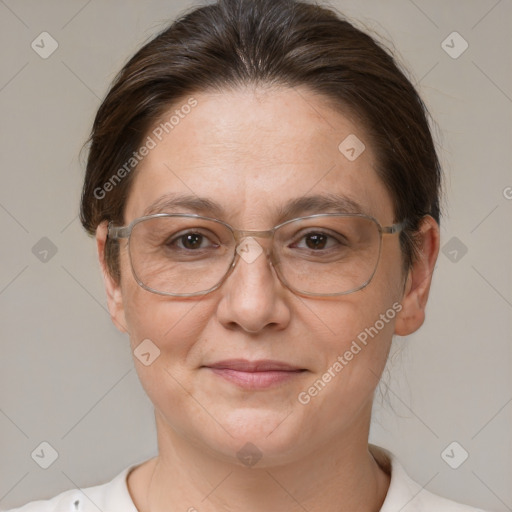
<point>264,191</point>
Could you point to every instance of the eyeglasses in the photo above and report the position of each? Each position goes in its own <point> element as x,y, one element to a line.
<point>185,255</point>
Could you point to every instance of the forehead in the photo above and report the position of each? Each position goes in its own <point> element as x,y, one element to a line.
<point>254,154</point>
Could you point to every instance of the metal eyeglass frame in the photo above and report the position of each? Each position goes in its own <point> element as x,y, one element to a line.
<point>122,232</point>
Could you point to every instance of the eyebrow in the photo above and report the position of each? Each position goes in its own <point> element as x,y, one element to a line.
<point>319,203</point>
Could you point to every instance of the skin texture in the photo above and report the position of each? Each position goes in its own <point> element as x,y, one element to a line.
<point>251,150</point>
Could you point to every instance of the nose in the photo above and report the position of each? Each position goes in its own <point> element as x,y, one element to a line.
<point>252,297</point>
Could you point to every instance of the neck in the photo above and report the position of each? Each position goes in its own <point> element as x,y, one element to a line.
<point>339,476</point>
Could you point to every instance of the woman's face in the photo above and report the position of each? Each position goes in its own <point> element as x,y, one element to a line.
<point>251,152</point>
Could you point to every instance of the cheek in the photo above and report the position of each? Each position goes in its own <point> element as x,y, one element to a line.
<point>167,329</point>
<point>355,335</point>
<point>166,321</point>
<point>337,394</point>
<point>163,336</point>
<point>361,330</point>
<point>173,325</point>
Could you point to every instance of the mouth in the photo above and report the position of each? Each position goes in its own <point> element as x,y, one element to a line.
<point>255,374</point>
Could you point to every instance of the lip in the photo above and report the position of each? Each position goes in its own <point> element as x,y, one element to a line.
<point>261,365</point>
<point>259,374</point>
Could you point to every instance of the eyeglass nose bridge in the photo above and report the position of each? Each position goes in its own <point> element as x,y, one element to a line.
<point>242,234</point>
<point>272,259</point>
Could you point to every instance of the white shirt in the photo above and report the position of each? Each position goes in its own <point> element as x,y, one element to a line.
<point>404,495</point>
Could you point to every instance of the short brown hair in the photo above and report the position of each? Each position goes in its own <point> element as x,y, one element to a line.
<point>232,43</point>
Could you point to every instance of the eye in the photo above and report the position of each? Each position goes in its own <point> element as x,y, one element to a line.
<point>318,240</point>
<point>191,241</point>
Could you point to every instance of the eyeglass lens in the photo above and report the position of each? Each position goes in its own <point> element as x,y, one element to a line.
<point>321,255</point>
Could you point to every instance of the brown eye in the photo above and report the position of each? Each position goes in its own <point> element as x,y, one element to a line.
<point>191,241</point>
<point>316,241</point>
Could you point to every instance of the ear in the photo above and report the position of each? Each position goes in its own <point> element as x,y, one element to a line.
<point>113,289</point>
<point>419,278</point>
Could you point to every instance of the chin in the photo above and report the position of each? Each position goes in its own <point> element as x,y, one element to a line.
<point>259,437</point>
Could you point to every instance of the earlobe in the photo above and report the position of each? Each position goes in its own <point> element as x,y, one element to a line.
<point>419,279</point>
<point>112,288</point>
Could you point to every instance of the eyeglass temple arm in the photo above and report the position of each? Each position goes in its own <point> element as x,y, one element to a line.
<point>117,232</point>
<point>395,228</point>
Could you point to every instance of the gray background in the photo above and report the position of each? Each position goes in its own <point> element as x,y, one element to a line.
<point>66,374</point>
